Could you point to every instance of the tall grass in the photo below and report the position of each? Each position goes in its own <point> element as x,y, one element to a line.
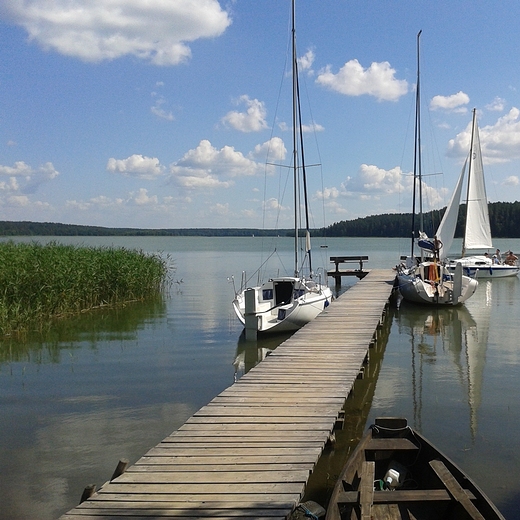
<point>41,282</point>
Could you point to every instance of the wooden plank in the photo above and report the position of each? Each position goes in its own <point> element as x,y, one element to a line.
<point>157,464</point>
<point>175,508</point>
<point>237,452</point>
<point>158,457</point>
<point>455,489</point>
<point>80,514</point>
<point>366,491</point>
<point>243,442</point>
<point>206,434</point>
<point>391,444</point>
<point>204,488</point>
<point>401,495</point>
<point>222,500</point>
<point>211,477</point>
<point>209,424</point>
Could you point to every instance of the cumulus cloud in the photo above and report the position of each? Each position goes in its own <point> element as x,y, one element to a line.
<point>500,142</point>
<point>328,193</point>
<point>313,127</point>
<point>374,183</point>
<point>306,61</point>
<point>273,204</point>
<point>158,110</point>
<point>141,198</point>
<point>220,209</point>
<point>252,120</point>
<point>97,30</point>
<point>453,103</point>
<point>206,166</point>
<point>136,166</point>
<point>23,178</point>
<point>512,180</point>
<point>373,179</point>
<point>497,105</point>
<point>273,150</point>
<point>353,80</point>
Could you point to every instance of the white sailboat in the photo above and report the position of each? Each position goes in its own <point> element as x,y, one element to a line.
<point>430,281</point>
<point>286,303</point>
<point>477,231</point>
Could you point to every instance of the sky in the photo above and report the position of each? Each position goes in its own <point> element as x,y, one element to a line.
<point>176,113</point>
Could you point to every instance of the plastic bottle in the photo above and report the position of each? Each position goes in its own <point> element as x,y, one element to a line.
<point>392,478</point>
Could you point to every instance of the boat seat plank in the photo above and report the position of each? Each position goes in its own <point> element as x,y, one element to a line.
<point>455,489</point>
<point>366,494</point>
<point>402,495</point>
<point>391,444</point>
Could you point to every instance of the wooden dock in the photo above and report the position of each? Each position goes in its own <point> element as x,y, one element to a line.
<point>250,451</point>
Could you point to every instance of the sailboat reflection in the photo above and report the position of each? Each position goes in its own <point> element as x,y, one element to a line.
<point>442,337</point>
<point>250,353</point>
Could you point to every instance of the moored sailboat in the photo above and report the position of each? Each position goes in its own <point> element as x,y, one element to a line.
<point>477,229</point>
<point>286,303</point>
<point>429,281</point>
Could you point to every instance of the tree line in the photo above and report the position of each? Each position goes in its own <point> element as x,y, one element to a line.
<point>504,217</point>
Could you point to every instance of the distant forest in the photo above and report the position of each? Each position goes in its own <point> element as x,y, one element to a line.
<point>504,216</point>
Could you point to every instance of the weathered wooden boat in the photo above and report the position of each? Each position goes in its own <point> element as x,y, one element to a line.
<point>395,473</point>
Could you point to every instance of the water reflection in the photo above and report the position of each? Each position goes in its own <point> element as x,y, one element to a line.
<point>250,353</point>
<point>91,328</point>
<point>440,336</point>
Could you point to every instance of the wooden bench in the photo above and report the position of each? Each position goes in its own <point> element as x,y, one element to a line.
<point>338,273</point>
<point>402,495</point>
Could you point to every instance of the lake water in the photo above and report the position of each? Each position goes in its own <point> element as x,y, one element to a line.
<point>113,383</point>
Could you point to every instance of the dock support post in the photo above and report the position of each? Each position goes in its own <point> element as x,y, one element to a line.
<point>87,492</point>
<point>250,315</point>
<point>120,468</point>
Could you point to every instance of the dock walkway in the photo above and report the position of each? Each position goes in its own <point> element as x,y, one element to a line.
<point>250,451</point>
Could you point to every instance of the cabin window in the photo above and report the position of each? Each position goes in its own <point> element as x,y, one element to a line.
<point>267,294</point>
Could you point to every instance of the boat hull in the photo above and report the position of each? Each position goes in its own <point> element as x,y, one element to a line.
<point>483,268</point>
<point>395,473</point>
<point>445,288</point>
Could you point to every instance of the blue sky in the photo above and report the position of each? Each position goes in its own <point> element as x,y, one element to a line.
<point>131,113</point>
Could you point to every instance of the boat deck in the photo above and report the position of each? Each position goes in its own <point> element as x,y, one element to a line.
<point>250,451</point>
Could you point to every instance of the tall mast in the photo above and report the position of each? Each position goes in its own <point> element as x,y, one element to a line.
<point>295,147</point>
<point>470,173</point>
<point>417,173</point>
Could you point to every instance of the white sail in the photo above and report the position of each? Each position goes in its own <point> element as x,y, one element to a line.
<point>446,229</point>
<point>478,231</point>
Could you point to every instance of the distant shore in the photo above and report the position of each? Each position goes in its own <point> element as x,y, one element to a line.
<point>504,217</point>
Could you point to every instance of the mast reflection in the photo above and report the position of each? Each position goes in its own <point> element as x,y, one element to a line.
<point>454,333</point>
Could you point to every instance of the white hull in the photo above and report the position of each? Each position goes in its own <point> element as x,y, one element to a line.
<point>282,304</point>
<point>418,285</point>
<point>483,267</point>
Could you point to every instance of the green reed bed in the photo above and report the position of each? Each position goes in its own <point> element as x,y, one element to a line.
<point>40,282</point>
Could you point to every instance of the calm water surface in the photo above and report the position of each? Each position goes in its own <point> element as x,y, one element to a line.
<point>112,384</point>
